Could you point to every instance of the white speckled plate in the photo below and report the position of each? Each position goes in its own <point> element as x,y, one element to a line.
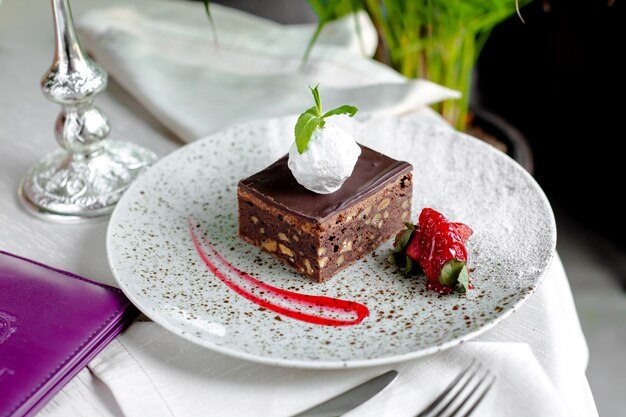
<point>156,265</point>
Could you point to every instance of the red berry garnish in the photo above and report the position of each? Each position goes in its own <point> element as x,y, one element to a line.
<point>438,246</point>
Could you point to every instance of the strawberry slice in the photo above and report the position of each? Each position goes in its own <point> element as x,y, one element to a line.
<point>413,249</point>
<point>464,231</point>
<point>438,246</point>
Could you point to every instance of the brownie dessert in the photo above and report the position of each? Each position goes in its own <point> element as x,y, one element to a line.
<point>320,234</point>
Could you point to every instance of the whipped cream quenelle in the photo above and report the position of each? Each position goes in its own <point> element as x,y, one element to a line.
<point>328,160</point>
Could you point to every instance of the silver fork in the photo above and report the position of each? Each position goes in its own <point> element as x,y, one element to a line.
<point>464,393</point>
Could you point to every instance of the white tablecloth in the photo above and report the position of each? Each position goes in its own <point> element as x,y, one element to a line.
<point>146,365</point>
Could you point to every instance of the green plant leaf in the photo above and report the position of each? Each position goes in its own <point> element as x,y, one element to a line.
<point>328,11</point>
<point>345,109</point>
<point>312,41</point>
<point>305,126</point>
<point>210,16</point>
<point>451,272</point>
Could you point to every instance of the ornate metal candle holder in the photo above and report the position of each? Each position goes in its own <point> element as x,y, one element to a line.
<point>88,176</point>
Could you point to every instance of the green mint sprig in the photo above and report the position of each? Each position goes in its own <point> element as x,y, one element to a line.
<point>314,118</point>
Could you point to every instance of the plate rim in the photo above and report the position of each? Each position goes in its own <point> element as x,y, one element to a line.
<point>335,364</point>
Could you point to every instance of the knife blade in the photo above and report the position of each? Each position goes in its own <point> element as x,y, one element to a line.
<point>350,399</point>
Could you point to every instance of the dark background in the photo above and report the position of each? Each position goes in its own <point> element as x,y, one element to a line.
<point>557,78</point>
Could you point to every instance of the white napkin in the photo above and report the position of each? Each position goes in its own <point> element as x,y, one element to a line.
<point>163,54</point>
<point>151,372</point>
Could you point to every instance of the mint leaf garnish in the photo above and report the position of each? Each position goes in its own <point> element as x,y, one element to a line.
<point>453,273</point>
<point>316,97</point>
<point>305,126</point>
<point>345,109</point>
<point>314,118</point>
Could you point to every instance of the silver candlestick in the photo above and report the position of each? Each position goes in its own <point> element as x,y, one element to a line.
<point>88,176</point>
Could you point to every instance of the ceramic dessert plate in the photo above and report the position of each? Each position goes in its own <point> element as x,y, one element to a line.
<point>173,247</point>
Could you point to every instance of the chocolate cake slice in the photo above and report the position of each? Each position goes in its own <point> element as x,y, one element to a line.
<point>320,234</point>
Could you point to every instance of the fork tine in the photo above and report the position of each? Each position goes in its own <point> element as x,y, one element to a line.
<point>480,397</point>
<point>446,391</point>
<point>467,397</point>
<point>459,391</point>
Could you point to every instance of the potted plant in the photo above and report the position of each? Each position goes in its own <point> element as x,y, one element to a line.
<point>432,39</point>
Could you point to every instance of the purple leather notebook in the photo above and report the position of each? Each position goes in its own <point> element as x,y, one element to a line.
<point>52,323</point>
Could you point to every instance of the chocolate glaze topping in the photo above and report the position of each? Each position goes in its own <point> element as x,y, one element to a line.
<point>277,186</point>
